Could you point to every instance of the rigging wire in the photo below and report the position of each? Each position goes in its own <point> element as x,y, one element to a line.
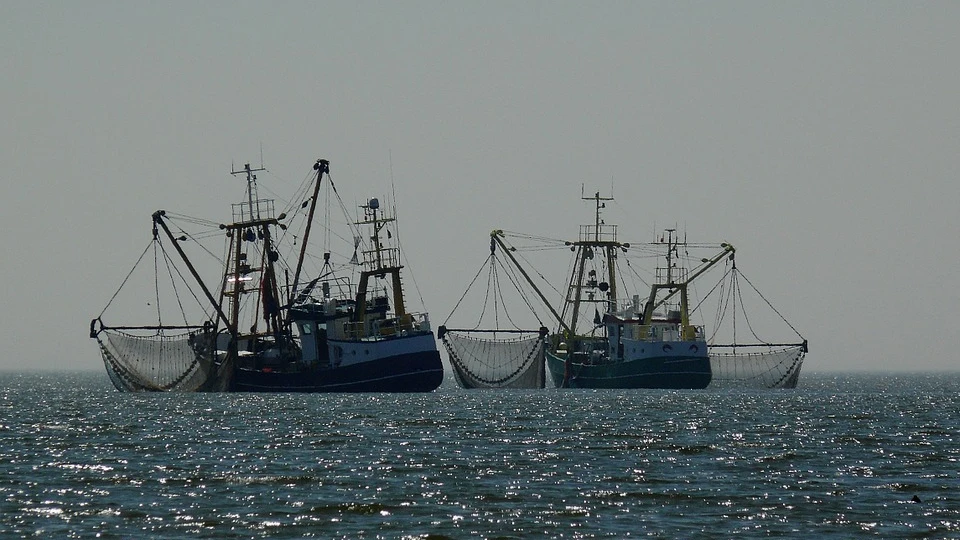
<point>544,239</point>
<point>486,298</point>
<point>156,283</point>
<point>176,293</point>
<point>722,305</point>
<point>191,219</point>
<point>635,273</point>
<point>515,281</point>
<point>327,229</point>
<point>209,234</point>
<point>496,290</point>
<point>464,295</point>
<point>623,281</point>
<point>411,273</point>
<point>706,296</point>
<point>294,203</point>
<point>745,318</point>
<point>276,196</point>
<point>532,267</point>
<point>130,273</point>
<point>343,208</point>
<point>769,304</point>
<point>396,217</point>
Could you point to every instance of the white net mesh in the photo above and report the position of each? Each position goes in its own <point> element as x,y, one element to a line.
<point>158,362</point>
<point>482,362</point>
<point>777,368</point>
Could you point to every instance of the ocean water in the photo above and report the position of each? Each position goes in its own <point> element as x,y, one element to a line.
<point>841,456</point>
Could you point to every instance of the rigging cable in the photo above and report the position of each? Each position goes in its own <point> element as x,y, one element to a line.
<point>512,274</point>
<point>193,237</point>
<point>623,281</point>
<point>396,217</point>
<point>745,318</point>
<point>410,272</point>
<point>635,273</point>
<point>717,284</point>
<point>722,305</point>
<point>176,293</point>
<point>156,283</point>
<point>771,305</point>
<point>486,298</point>
<point>496,294</point>
<point>514,280</point>
<point>482,266</point>
<point>152,241</point>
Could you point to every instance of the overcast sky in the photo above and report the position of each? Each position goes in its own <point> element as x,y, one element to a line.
<point>821,138</point>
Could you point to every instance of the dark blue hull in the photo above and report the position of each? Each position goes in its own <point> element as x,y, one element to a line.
<point>412,372</point>
<point>670,372</point>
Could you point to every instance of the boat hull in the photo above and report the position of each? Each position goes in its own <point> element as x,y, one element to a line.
<point>409,372</point>
<point>665,372</point>
<point>401,364</point>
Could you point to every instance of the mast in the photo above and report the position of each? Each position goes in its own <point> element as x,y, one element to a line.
<point>597,236</point>
<point>270,293</point>
<point>251,188</point>
<point>380,261</point>
<point>321,166</point>
<point>251,222</point>
<point>235,241</point>
<point>670,255</point>
<point>575,285</point>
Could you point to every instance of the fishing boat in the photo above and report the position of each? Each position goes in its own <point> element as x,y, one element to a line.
<point>622,346</point>
<point>608,337</point>
<point>264,327</point>
<point>627,345</point>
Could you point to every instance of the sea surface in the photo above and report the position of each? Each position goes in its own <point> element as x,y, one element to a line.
<point>841,456</point>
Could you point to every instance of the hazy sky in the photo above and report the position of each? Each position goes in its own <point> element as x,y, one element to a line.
<point>821,138</point>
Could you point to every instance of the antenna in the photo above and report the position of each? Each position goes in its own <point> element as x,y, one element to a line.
<point>393,188</point>
<point>251,186</point>
<point>600,205</point>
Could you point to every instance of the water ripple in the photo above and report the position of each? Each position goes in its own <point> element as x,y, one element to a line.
<point>838,458</point>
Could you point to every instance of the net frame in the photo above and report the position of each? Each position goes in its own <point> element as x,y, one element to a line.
<point>157,361</point>
<point>484,362</point>
<point>772,368</point>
